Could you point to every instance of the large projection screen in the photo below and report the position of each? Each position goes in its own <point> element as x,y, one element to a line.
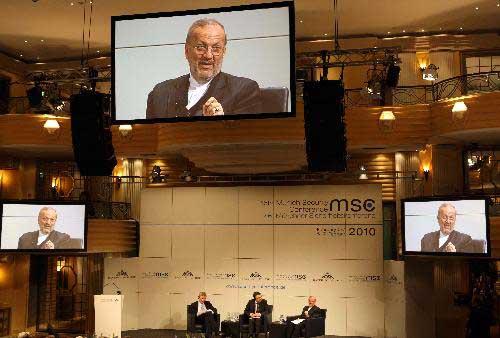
<point>153,64</point>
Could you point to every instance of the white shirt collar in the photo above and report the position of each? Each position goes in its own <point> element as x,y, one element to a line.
<point>42,237</point>
<point>441,235</point>
<point>193,84</point>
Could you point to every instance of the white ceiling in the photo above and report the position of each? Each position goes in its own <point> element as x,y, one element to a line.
<point>59,24</point>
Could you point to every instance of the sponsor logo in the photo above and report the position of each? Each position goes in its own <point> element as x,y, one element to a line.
<point>121,275</point>
<point>154,274</point>
<point>221,276</point>
<point>393,279</point>
<point>187,275</point>
<point>326,277</point>
<point>291,277</point>
<point>256,276</point>
<point>365,278</point>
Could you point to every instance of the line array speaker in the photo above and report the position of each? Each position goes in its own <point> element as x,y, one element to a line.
<point>92,141</point>
<point>324,125</point>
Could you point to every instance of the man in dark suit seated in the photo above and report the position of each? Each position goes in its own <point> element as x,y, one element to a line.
<point>204,313</point>
<point>446,239</point>
<point>309,311</point>
<point>46,237</point>
<point>205,91</point>
<point>256,311</point>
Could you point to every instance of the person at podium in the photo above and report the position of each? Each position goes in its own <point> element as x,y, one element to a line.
<point>204,313</point>
<point>256,311</point>
<point>294,328</point>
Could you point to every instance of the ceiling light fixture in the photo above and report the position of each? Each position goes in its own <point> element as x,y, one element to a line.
<point>404,31</point>
<point>25,41</point>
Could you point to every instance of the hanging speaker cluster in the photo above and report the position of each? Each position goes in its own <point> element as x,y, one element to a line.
<point>324,125</point>
<point>92,141</point>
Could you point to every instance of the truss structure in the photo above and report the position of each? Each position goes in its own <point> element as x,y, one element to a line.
<point>70,75</point>
<point>348,57</point>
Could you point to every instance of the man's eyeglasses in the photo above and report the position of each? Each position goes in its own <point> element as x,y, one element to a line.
<point>446,218</point>
<point>202,49</point>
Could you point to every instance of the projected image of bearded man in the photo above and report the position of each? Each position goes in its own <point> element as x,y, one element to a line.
<point>206,90</point>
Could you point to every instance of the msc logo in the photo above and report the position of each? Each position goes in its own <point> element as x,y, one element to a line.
<point>354,205</point>
<point>255,275</point>
<point>187,274</point>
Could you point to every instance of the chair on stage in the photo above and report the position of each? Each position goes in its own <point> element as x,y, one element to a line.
<point>244,325</point>
<point>274,99</point>
<point>314,327</point>
<point>194,328</point>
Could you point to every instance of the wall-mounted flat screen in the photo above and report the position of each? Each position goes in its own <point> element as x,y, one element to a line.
<point>42,226</point>
<point>454,226</point>
<point>207,64</point>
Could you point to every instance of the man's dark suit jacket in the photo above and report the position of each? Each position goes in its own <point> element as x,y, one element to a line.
<point>315,312</point>
<point>29,240</point>
<point>193,308</point>
<point>237,95</point>
<point>430,242</point>
<point>262,308</point>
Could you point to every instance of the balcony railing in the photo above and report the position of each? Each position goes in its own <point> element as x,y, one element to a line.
<point>403,95</point>
<point>410,95</point>
<point>423,94</point>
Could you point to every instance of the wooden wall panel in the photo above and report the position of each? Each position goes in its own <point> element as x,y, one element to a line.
<point>482,113</point>
<point>376,163</point>
<point>495,236</point>
<point>142,141</point>
<point>411,127</point>
<point>105,235</point>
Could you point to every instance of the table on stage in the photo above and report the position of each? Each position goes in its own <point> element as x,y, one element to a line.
<point>277,330</point>
<point>230,328</point>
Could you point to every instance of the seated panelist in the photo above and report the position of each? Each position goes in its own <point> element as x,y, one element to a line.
<point>309,311</point>
<point>256,311</point>
<point>205,314</point>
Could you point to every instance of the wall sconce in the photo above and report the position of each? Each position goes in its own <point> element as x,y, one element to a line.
<point>430,73</point>
<point>427,172</point>
<point>60,263</point>
<point>362,173</point>
<point>118,182</point>
<point>386,121</point>
<point>458,110</point>
<point>51,126</point>
<point>125,130</point>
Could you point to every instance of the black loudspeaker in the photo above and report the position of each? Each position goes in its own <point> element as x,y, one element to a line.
<point>324,125</point>
<point>392,77</point>
<point>4,95</point>
<point>92,142</point>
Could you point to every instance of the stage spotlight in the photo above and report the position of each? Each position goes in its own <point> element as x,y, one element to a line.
<point>186,176</point>
<point>156,176</point>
